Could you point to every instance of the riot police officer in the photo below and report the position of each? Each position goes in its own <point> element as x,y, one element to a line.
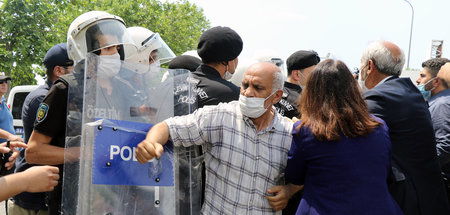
<point>94,32</point>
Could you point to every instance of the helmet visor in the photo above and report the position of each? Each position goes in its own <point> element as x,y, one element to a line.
<point>106,33</point>
<point>159,49</point>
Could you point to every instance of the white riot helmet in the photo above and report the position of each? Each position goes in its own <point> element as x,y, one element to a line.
<point>94,30</point>
<point>150,47</point>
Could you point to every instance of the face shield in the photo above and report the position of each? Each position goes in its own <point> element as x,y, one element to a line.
<point>157,49</point>
<point>94,36</point>
<point>106,33</point>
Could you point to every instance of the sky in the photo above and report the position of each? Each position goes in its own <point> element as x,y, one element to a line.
<point>341,29</point>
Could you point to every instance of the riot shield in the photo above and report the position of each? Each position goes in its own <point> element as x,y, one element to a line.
<point>107,117</point>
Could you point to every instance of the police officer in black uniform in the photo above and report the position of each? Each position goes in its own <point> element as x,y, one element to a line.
<point>47,142</point>
<point>219,48</point>
<point>57,64</point>
<point>299,65</point>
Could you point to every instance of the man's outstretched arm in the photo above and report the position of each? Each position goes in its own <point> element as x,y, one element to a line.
<point>152,145</point>
<point>8,136</point>
<point>34,179</point>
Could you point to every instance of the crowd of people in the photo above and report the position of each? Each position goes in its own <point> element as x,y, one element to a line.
<point>318,141</point>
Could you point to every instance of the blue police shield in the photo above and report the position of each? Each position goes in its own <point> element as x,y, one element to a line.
<point>110,109</point>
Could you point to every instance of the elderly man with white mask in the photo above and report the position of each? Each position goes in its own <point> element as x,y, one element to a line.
<point>246,145</point>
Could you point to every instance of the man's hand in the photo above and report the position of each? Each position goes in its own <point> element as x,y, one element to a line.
<point>152,145</point>
<point>279,195</point>
<point>41,178</point>
<point>34,179</point>
<point>12,147</point>
<point>15,138</point>
<point>147,150</point>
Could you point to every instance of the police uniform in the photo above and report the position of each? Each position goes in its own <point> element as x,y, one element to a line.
<point>25,203</point>
<point>51,121</point>
<point>26,200</point>
<point>288,104</point>
<point>216,45</point>
<point>212,89</point>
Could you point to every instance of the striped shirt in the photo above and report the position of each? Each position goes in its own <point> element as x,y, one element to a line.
<point>241,162</point>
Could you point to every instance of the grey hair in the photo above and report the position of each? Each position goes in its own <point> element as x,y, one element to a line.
<point>383,59</point>
<point>278,81</point>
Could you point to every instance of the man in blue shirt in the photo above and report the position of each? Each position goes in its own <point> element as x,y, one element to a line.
<point>6,118</point>
<point>440,116</point>
<point>57,63</point>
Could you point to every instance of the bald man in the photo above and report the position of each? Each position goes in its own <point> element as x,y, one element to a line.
<point>246,144</point>
<point>440,116</point>
<point>416,183</point>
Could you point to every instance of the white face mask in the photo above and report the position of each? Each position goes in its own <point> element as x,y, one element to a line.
<point>228,74</point>
<point>362,85</point>
<point>155,66</point>
<point>362,82</point>
<point>253,107</point>
<point>109,65</point>
<point>299,84</point>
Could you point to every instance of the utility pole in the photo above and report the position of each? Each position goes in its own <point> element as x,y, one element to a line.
<point>410,33</point>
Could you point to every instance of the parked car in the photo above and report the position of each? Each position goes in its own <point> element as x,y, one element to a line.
<point>15,101</point>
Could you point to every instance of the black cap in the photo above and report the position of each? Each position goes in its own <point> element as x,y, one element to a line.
<point>185,62</point>
<point>219,44</point>
<point>4,77</point>
<point>57,56</point>
<point>302,59</point>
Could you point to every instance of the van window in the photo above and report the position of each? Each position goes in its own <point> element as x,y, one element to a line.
<point>19,98</point>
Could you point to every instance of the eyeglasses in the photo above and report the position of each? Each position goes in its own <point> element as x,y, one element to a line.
<point>3,81</point>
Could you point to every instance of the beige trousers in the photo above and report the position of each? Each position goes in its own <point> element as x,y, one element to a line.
<point>14,209</point>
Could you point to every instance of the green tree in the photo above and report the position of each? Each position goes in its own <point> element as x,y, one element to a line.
<point>179,24</point>
<point>28,28</point>
<point>24,32</point>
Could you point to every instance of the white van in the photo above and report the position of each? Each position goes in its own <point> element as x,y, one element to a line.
<point>15,101</point>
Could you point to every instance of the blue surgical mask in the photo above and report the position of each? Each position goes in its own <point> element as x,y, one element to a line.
<point>425,93</point>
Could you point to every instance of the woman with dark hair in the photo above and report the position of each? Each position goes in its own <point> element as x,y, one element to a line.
<point>340,153</point>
